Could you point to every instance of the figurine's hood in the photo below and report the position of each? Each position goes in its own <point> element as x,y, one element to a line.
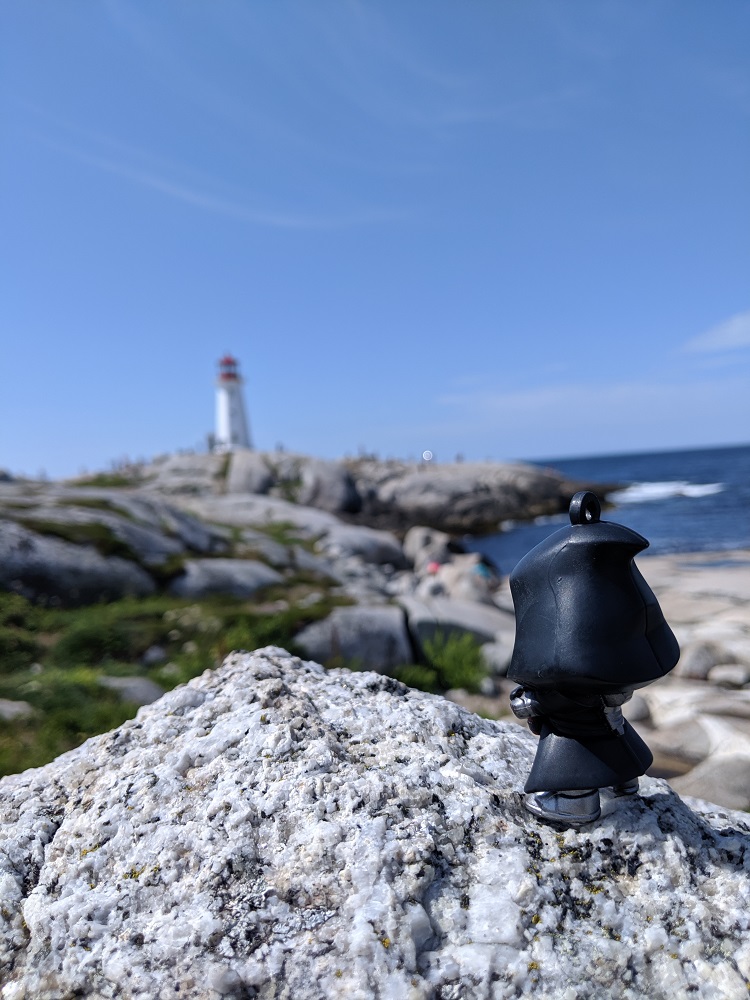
<point>584,614</point>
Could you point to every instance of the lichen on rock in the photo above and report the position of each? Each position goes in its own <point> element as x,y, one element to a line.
<point>275,830</point>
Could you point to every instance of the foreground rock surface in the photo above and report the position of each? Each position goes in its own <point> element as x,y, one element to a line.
<point>273,830</point>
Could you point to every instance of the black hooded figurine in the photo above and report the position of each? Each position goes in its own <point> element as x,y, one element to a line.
<point>589,631</point>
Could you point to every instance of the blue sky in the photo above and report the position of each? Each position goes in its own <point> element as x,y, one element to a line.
<point>506,229</point>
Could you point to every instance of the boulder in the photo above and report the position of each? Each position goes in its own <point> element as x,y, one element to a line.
<point>370,638</point>
<point>308,562</point>
<point>465,578</point>
<point>424,545</point>
<point>238,577</point>
<point>12,710</point>
<point>730,675</point>
<point>270,551</point>
<point>379,547</point>
<point>723,777</point>
<point>441,614</point>
<point>138,690</point>
<point>329,486</point>
<point>46,569</point>
<point>698,658</point>
<point>249,472</point>
<point>460,498</point>
<point>273,830</point>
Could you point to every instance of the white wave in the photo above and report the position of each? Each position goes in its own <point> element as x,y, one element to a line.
<point>642,492</point>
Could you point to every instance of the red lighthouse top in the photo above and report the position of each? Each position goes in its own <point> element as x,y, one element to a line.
<point>228,369</point>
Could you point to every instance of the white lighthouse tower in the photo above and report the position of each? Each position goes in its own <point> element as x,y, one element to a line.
<point>231,422</point>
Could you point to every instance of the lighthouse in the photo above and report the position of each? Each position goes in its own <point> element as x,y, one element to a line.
<point>231,421</point>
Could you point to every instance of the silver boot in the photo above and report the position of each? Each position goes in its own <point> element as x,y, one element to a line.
<point>569,808</point>
<point>626,788</point>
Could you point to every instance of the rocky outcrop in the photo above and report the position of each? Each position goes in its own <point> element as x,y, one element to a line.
<point>272,830</point>
<point>394,495</point>
<point>464,497</point>
<point>81,546</point>
<point>47,569</point>
<point>238,577</point>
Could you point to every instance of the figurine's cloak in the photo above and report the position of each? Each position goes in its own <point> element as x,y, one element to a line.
<point>585,617</point>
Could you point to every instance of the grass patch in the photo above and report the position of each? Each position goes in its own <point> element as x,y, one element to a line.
<point>457,660</point>
<point>115,479</point>
<point>53,658</point>
<point>18,648</point>
<point>96,503</point>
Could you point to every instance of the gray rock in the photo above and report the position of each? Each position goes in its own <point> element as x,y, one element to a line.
<point>329,486</point>
<point>687,742</point>
<point>153,656</point>
<point>47,569</point>
<point>496,657</point>
<point>12,710</point>
<point>725,778</point>
<point>248,511</point>
<point>697,659</point>
<point>273,830</point>
<point>464,578</point>
<point>373,638</point>
<point>425,545</point>
<point>238,577</point>
<point>440,614</point>
<point>636,710</point>
<point>189,473</point>
<point>729,675</point>
<point>249,472</point>
<point>456,498</point>
<point>379,547</point>
<point>139,508</point>
<point>270,551</point>
<point>147,545</point>
<point>138,690</point>
<point>311,563</point>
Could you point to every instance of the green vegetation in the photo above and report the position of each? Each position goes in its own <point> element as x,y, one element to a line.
<point>453,661</point>
<point>96,503</point>
<point>109,479</point>
<point>53,658</point>
<point>456,659</point>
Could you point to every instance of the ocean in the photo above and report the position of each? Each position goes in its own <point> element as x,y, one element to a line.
<point>681,501</point>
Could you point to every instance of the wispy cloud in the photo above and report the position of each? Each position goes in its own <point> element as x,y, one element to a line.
<point>202,198</point>
<point>732,334</point>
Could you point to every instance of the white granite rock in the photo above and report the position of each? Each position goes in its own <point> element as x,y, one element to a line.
<point>274,831</point>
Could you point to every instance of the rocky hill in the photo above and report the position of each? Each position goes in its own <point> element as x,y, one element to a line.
<point>395,495</point>
<point>274,830</point>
